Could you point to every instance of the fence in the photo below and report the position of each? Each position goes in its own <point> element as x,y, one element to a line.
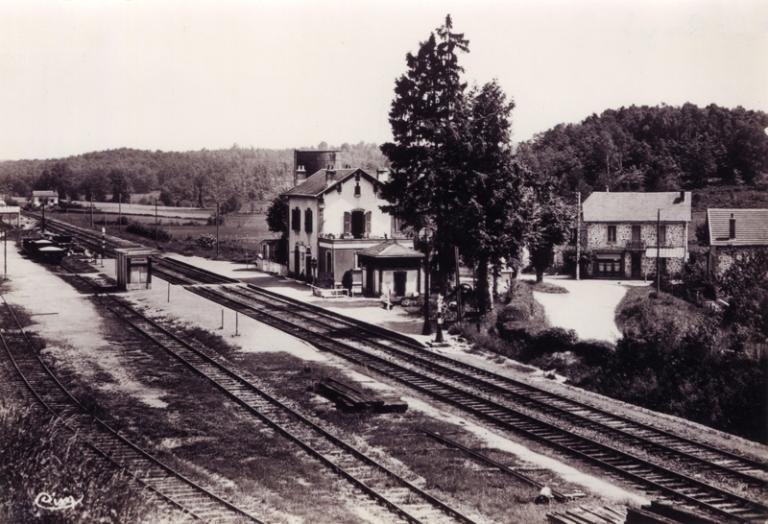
<point>269,266</point>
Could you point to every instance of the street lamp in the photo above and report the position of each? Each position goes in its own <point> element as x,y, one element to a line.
<point>425,235</point>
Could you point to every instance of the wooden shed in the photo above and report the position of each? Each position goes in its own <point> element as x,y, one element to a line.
<point>134,268</point>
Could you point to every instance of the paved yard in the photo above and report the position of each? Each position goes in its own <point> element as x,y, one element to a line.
<point>588,307</point>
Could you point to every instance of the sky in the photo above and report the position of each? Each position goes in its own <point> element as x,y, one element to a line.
<point>79,76</point>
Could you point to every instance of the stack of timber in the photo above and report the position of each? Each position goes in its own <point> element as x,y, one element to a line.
<point>586,515</point>
<point>351,400</point>
<point>660,513</point>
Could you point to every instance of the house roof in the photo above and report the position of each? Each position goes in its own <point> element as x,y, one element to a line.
<point>315,184</point>
<point>637,207</point>
<point>390,249</point>
<point>751,227</point>
<point>45,193</point>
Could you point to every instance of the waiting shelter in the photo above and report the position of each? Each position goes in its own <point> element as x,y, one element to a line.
<point>134,268</point>
<point>391,267</point>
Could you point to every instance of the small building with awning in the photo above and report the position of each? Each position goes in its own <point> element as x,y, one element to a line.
<point>390,267</point>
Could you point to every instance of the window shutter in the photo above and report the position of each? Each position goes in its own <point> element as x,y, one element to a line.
<point>368,222</point>
<point>308,221</point>
<point>347,222</point>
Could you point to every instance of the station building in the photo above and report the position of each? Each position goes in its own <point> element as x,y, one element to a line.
<point>336,224</point>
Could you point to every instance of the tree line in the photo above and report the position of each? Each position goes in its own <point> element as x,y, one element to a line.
<point>643,148</point>
<point>195,178</point>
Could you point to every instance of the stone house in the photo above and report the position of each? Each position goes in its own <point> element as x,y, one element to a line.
<point>619,229</point>
<point>334,215</point>
<point>734,233</point>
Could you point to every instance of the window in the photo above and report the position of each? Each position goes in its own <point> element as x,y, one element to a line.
<point>358,223</point>
<point>357,190</point>
<point>296,219</point>
<point>308,220</point>
<point>611,233</point>
<point>635,234</point>
<point>662,235</point>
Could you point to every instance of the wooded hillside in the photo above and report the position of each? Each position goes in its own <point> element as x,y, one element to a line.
<point>658,148</point>
<point>194,178</point>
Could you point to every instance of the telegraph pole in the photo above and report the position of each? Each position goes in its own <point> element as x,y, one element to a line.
<point>5,249</point>
<point>658,251</point>
<point>217,229</point>
<point>458,284</point>
<point>120,210</point>
<point>578,243</point>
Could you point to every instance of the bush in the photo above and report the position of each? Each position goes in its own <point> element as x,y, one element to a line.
<point>206,241</point>
<point>153,232</point>
<point>569,260</point>
<point>212,220</point>
<point>65,204</point>
<point>554,340</point>
<point>593,352</point>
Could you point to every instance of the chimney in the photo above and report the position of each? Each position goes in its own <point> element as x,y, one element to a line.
<point>330,174</point>
<point>732,227</point>
<point>381,174</point>
<point>682,196</point>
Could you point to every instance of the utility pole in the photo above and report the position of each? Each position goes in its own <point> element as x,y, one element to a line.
<point>427,328</point>
<point>217,229</point>
<point>458,284</point>
<point>156,220</point>
<point>91,209</point>
<point>658,251</point>
<point>120,210</point>
<point>578,243</point>
<point>5,249</point>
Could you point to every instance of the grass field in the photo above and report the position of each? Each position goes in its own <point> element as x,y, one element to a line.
<point>239,236</point>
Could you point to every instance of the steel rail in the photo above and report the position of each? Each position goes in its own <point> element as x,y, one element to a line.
<point>111,432</point>
<point>546,404</point>
<point>534,428</point>
<point>240,379</point>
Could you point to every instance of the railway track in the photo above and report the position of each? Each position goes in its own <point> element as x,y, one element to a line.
<point>413,366</point>
<point>48,392</point>
<point>495,398</point>
<point>405,501</point>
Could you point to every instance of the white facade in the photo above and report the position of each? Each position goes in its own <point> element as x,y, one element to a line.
<point>344,208</point>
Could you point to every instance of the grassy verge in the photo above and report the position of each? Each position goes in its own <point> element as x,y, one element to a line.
<point>546,287</point>
<point>40,455</point>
